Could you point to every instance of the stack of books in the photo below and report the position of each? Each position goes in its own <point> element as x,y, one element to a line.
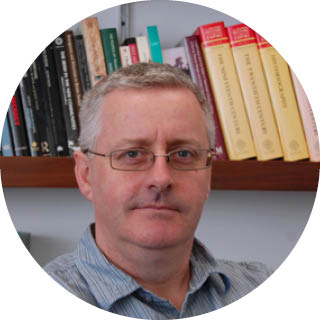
<point>259,107</point>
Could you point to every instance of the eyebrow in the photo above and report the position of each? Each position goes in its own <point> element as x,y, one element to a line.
<point>148,142</point>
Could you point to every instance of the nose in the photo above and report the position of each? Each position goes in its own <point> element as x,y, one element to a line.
<point>160,176</point>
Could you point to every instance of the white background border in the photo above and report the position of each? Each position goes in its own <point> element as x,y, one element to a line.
<point>28,26</point>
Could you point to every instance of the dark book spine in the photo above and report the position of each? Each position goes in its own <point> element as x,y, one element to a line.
<point>7,148</point>
<point>29,115</point>
<point>54,110</point>
<point>18,126</point>
<point>60,58</point>
<point>74,73</point>
<point>82,62</point>
<point>46,141</point>
<point>199,76</point>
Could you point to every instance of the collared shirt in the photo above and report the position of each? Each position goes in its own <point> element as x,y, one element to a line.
<point>214,283</point>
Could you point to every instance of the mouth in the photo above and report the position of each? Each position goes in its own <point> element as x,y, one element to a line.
<point>157,208</point>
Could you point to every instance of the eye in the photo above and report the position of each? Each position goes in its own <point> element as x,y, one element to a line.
<point>133,153</point>
<point>184,153</point>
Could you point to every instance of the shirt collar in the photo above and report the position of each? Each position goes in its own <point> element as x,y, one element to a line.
<point>109,284</point>
<point>204,266</point>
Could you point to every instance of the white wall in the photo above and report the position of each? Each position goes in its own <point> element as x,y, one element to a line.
<point>237,225</point>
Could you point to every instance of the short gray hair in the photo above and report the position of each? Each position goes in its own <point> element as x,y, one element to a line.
<point>135,76</point>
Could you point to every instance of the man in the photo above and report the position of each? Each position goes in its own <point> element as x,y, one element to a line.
<point>145,164</point>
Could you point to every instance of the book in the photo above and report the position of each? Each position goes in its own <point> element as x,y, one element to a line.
<point>7,148</point>
<point>125,56</point>
<point>154,44</point>
<point>82,63</point>
<point>143,49</point>
<point>94,49</point>
<point>176,57</point>
<point>60,59</point>
<point>284,102</point>
<point>74,73</point>
<point>40,109</point>
<point>307,118</point>
<point>111,49</point>
<point>53,102</point>
<point>255,92</point>
<point>18,127</point>
<point>131,43</point>
<point>199,76</point>
<point>227,91</point>
<point>33,136</point>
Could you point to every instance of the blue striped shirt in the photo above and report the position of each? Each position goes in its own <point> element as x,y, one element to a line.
<point>214,283</point>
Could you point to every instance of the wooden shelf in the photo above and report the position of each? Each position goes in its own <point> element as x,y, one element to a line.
<point>55,172</point>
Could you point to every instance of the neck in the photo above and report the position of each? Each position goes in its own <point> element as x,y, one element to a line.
<point>165,272</point>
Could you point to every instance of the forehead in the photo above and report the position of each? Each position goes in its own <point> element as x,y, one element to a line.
<point>170,113</point>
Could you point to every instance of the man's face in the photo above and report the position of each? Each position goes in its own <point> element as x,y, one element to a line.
<point>160,207</point>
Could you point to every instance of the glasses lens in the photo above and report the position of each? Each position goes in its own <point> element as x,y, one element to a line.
<point>189,159</point>
<point>131,159</point>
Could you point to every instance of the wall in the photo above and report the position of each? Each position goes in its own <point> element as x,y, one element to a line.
<point>237,225</point>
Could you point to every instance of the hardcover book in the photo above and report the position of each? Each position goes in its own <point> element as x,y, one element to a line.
<point>74,73</point>
<point>199,75</point>
<point>94,50</point>
<point>40,109</point>
<point>255,92</point>
<point>82,63</point>
<point>7,148</point>
<point>227,91</point>
<point>131,43</point>
<point>33,136</point>
<point>176,57</point>
<point>154,43</point>
<point>143,49</point>
<point>54,107</point>
<point>284,102</point>
<point>69,116</point>
<point>125,56</point>
<point>308,120</point>
<point>111,49</point>
<point>18,127</point>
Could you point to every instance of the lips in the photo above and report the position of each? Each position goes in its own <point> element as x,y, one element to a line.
<point>155,207</point>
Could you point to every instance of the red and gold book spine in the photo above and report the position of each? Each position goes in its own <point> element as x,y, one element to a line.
<point>284,102</point>
<point>226,90</point>
<point>255,92</point>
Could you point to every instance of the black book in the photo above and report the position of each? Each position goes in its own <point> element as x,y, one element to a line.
<point>60,59</point>
<point>7,148</point>
<point>82,63</point>
<point>44,127</point>
<point>18,127</point>
<point>25,88</point>
<point>49,79</point>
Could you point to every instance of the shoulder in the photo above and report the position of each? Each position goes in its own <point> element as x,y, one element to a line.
<point>65,271</point>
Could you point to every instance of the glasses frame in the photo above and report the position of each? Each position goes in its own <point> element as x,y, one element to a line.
<point>211,153</point>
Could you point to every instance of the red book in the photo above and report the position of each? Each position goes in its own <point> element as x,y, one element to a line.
<point>131,43</point>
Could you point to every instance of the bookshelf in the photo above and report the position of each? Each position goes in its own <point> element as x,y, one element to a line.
<point>55,172</point>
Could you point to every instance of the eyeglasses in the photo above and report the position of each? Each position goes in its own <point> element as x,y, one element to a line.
<point>141,159</point>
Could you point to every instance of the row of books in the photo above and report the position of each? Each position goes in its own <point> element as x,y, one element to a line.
<point>260,109</point>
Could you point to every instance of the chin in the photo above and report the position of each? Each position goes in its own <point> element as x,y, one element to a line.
<point>160,238</point>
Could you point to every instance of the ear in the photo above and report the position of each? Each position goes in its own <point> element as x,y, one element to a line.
<point>82,173</point>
